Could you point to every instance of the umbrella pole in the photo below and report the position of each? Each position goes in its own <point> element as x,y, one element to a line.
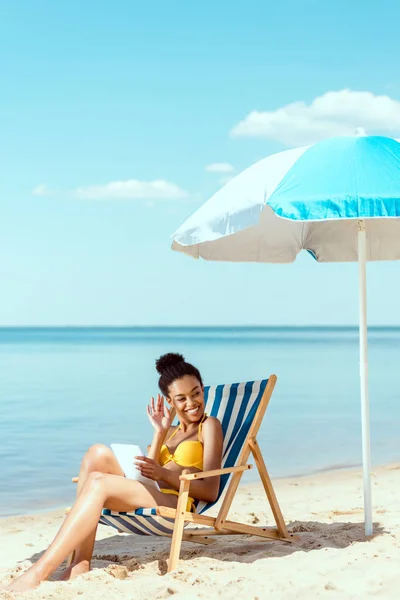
<point>365,422</point>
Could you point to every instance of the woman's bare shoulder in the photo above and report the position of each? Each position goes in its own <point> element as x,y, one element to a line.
<point>212,424</point>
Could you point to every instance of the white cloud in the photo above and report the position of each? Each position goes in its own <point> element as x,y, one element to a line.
<point>222,167</point>
<point>41,190</point>
<point>333,113</point>
<point>130,189</point>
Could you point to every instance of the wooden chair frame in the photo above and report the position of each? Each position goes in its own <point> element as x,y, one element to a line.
<point>219,525</point>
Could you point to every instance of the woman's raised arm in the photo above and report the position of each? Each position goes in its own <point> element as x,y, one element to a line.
<point>160,418</point>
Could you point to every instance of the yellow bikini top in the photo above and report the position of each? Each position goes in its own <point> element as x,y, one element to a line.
<point>187,454</point>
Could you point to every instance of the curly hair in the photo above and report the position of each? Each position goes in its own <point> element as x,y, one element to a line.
<point>172,366</point>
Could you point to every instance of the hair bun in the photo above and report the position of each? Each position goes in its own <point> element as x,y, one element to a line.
<point>167,361</point>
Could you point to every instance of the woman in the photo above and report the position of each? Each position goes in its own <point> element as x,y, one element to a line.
<point>195,445</point>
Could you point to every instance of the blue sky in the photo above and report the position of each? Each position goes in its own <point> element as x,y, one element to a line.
<point>94,93</point>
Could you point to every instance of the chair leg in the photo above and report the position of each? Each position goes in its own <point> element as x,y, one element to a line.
<point>269,490</point>
<point>229,496</point>
<point>177,534</point>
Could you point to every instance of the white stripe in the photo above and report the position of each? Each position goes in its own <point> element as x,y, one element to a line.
<point>166,523</point>
<point>145,521</point>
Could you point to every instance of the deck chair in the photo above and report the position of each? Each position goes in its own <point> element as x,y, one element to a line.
<point>240,407</point>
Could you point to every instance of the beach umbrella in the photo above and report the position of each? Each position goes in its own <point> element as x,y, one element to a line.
<point>339,199</point>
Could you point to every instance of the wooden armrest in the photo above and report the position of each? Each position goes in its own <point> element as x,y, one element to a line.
<point>214,473</point>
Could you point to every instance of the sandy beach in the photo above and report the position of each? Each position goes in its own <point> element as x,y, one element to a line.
<point>329,558</point>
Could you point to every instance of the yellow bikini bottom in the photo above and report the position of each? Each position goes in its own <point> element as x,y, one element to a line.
<point>191,503</point>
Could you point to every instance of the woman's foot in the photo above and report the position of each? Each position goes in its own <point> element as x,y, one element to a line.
<point>25,582</point>
<point>74,570</point>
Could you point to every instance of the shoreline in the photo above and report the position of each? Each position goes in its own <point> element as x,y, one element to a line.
<point>340,468</point>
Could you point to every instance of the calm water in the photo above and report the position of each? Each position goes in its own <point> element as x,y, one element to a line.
<point>64,389</point>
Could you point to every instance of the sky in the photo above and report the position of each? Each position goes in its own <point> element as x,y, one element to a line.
<point>119,119</point>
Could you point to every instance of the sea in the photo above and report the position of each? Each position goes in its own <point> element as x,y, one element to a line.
<point>64,389</point>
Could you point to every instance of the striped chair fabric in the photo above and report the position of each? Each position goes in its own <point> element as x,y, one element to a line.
<point>235,406</point>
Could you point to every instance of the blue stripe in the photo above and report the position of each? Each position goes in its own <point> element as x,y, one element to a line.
<point>129,523</point>
<point>313,254</point>
<point>206,393</point>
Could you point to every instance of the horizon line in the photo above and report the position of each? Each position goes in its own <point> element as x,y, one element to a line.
<point>204,326</point>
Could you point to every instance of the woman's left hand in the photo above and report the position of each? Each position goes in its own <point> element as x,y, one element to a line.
<point>159,415</point>
<point>148,467</point>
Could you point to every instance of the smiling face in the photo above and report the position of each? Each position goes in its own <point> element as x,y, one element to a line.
<point>187,396</point>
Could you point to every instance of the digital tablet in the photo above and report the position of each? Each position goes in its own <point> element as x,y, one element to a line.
<point>125,455</point>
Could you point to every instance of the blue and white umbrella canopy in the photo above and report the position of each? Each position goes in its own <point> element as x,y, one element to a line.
<point>310,199</point>
<point>338,199</point>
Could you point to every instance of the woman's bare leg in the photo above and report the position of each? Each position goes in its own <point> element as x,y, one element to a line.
<point>98,458</point>
<point>113,491</point>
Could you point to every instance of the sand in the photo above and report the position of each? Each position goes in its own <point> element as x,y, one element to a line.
<point>330,557</point>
